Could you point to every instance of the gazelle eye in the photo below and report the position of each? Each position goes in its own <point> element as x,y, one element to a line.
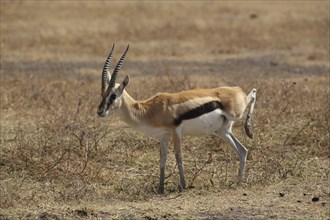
<point>113,96</point>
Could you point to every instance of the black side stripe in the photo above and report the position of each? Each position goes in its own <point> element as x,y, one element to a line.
<point>194,113</point>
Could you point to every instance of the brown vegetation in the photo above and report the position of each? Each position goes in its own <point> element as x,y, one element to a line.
<point>59,160</point>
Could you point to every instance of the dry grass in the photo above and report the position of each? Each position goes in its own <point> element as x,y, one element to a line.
<point>59,160</point>
<point>167,30</point>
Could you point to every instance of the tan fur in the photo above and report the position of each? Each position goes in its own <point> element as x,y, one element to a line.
<point>161,109</point>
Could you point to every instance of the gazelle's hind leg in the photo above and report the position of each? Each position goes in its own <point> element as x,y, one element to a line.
<point>243,152</point>
<point>251,99</point>
<point>225,132</point>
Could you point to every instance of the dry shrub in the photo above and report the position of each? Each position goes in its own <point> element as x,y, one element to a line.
<point>62,146</point>
<point>292,127</point>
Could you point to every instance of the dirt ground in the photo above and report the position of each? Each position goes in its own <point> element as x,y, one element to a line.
<point>59,160</point>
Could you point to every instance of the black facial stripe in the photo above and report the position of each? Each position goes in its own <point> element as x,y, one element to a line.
<point>194,113</point>
<point>101,106</point>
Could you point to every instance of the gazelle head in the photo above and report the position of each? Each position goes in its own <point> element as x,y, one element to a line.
<point>111,92</point>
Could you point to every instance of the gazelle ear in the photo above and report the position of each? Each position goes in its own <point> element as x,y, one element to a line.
<point>123,84</point>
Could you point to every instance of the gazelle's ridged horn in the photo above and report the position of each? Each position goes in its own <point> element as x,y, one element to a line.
<point>116,71</point>
<point>105,72</point>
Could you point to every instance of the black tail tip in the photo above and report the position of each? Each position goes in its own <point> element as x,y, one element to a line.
<point>248,131</point>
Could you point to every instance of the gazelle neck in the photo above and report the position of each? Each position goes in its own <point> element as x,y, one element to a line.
<point>130,110</point>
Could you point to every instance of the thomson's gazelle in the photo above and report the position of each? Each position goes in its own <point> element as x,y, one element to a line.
<point>172,115</point>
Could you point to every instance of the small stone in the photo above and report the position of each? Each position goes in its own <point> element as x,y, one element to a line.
<point>281,194</point>
<point>81,212</point>
<point>244,194</point>
<point>299,201</point>
<point>315,198</point>
<point>253,16</point>
<point>273,63</point>
<point>311,57</point>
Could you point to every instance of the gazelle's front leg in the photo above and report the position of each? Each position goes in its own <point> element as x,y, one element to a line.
<point>163,156</point>
<point>177,140</point>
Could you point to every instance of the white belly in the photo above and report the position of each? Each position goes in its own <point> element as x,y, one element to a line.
<point>203,125</point>
<point>157,133</point>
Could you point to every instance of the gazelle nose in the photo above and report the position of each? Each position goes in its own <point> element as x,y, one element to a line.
<point>100,113</point>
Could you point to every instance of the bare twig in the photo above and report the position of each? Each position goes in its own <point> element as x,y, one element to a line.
<point>208,161</point>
